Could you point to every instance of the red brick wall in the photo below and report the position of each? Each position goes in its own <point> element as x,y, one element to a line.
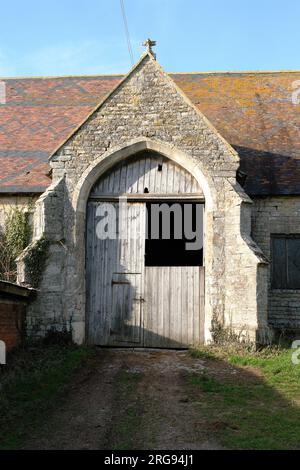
<point>12,317</point>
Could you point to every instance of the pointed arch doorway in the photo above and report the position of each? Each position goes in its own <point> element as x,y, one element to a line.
<point>145,288</point>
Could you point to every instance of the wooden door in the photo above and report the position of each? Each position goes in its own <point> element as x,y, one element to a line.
<point>174,307</point>
<point>129,302</point>
<point>115,278</point>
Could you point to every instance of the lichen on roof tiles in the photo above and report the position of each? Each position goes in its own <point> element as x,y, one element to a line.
<point>254,112</point>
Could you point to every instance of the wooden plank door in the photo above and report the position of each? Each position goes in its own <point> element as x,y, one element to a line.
<point>174,311</point>
<point>115,278</point>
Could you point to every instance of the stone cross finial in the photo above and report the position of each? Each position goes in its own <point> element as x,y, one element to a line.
<point>149,44</point>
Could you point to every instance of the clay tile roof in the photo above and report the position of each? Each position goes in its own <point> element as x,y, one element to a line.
<point>252,110</point>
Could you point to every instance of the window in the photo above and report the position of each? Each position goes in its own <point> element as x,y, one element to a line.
<point>174,234</point>
<point>285,253</point>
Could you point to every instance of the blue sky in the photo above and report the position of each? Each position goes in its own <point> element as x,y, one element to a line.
<point>61,37</point>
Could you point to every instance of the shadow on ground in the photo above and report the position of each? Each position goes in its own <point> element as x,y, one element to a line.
<point>168,400</point>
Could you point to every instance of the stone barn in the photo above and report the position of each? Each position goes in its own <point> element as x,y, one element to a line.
<point>221,146</point>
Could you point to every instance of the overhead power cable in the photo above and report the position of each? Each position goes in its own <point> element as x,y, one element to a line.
<point>127,31</point>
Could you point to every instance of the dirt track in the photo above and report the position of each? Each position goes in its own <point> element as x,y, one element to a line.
<point>128,400</point>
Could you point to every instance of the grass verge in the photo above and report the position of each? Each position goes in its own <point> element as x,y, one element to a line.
<point>31,384</point>
<point>250,400</point>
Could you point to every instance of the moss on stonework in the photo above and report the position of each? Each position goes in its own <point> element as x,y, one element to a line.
<point>36,261</point>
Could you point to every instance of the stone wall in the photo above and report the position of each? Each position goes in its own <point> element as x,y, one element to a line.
<point>146,111</point>
<point>278,215</point>
<point>47,311</point>
<point>245,286</point>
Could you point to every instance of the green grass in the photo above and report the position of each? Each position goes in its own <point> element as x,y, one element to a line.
<point>31,383</point>
<point>248,409</point>
<point>128,418</point>
<point>135,420</point>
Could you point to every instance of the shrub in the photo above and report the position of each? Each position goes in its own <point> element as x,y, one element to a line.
<point>14,238</point>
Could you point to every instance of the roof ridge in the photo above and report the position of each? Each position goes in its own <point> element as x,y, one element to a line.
<point>236,72</point>
<point>216,72</point>
<point>51,77</point>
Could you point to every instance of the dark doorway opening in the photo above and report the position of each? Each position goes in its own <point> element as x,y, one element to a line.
<point>174,234</point>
